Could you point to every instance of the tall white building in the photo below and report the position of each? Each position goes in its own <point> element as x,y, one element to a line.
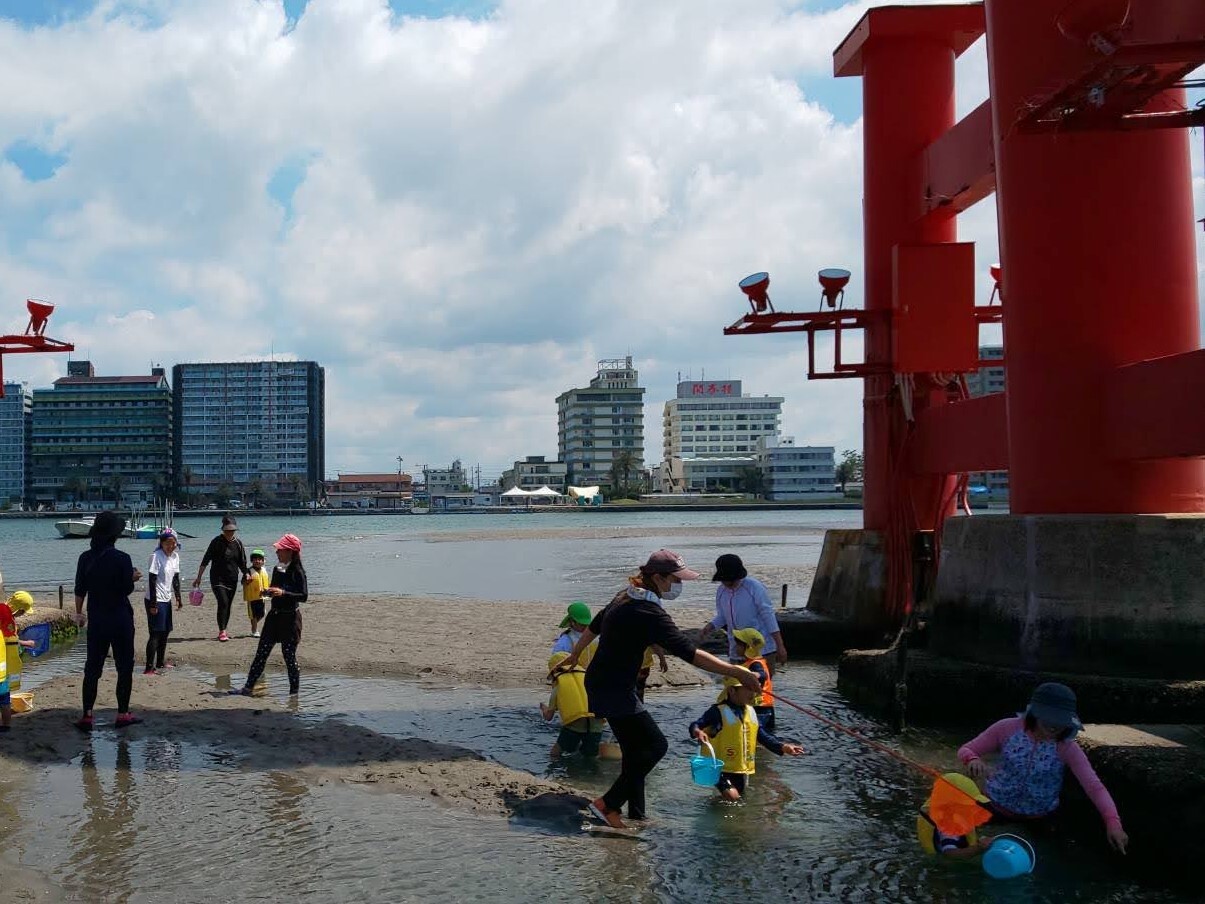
<point>988,381</point>
<point>14,443</point>
<point>600,428</point>
<point>715,421</point>
<point>254,427</point>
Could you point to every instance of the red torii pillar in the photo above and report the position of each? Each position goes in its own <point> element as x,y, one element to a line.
<point>1097,237</point>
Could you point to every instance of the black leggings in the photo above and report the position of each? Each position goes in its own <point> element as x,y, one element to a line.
<point>288,648</point>
<point>156,649</point>
<point>114,631</point>
<point>643,745</point>
<point>225,596</point>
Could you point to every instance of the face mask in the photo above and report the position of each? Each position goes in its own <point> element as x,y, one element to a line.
<point>675,591</point>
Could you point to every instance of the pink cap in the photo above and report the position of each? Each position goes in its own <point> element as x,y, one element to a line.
<point>666,561</point>
<point>288,541</point>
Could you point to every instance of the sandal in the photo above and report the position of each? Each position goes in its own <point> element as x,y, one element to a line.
<point>84,723</point>
<point>125,720</point>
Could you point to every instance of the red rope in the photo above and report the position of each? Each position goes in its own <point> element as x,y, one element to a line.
<point>874,745</point>
<point>837,726</point>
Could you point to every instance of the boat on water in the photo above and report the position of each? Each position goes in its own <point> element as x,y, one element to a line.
<point>74,528</point>
<point>77,528</point>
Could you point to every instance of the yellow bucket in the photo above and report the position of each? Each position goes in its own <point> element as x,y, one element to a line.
<point>22,702</point>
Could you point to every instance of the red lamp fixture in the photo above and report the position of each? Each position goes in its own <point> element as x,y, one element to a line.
<point>756,288</point>
<point>833,281</point>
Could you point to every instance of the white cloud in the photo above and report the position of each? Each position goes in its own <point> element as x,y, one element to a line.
<point>488,206</point>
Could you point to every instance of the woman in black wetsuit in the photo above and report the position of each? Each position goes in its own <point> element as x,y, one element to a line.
<point>283,622</point>
<point>632,621</point>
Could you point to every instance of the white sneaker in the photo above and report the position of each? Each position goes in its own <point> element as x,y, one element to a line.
<point>255,634</point>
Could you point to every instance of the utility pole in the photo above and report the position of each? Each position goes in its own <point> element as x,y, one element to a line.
<point>400,459</point>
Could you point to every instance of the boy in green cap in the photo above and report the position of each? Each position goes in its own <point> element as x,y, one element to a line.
<point>257,583</point>
<point>576,620</point>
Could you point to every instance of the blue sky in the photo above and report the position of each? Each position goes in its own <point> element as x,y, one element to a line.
<point>457,207</point>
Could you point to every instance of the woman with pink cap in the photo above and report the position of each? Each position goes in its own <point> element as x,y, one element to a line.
<point>282,625</point>
<point>633,621</point>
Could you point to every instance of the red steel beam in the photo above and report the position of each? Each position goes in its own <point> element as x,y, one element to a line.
<point>959,24</point>
<point>1154,408</point>
<point>971,435</point>
<point>959,168</point>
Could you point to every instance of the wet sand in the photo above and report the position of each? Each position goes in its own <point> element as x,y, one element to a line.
<point>262,733</point>
<point>478,642</point>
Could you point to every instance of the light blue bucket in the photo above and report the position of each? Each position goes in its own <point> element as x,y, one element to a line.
<point>1008,857</point>
<point>705,770</point>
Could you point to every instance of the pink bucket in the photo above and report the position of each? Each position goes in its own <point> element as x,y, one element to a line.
<point>196,596</point>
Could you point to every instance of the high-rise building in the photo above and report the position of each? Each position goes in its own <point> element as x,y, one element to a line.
<point>600,429</point>
<point>14,444</point>
<point>250,428</point>
<point>105,440</point>
<point>988,381</point>
<point>714,420</point>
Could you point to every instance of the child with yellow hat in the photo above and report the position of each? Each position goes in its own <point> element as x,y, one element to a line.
<point>732,726</point>
<point>10,664</point>
<point>749,644</point>
<point>955,803</point>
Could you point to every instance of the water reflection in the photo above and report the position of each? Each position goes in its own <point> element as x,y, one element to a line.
<point>107,837</point>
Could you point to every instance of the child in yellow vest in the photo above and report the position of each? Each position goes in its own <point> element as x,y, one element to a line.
<point>258,580</point>
<point>10,663</point>
<point>580,730</point>
<point>732,726</point>
<point>749,643</point>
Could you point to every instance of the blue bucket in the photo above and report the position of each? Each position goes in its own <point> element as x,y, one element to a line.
<point>1008,857</point>
<point>705,770</point>
<point>40,635</point>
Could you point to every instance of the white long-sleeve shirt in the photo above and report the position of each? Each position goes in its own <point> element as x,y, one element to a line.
<point>748,606</point>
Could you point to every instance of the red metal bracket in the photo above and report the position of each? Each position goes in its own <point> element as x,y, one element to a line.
<point>1127,65</point>
<point>838,322</point>
<point>31,340</point>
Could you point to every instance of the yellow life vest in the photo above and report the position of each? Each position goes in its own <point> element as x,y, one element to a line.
<point>12,661</point>
<point>926,834</point>
<point>736,741</point>
<point>260,581</point>
<point>571,701</point>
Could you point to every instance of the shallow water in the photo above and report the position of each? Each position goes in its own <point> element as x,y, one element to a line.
<point>406,554</point>
<point>191,822</point>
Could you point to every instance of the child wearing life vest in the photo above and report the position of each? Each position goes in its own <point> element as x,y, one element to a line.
<point>933,840</point>
<point>10,664</point>
<point>256,583</point>
<point>732,726</point>
<point>749,643</point>
<point>580,730</point>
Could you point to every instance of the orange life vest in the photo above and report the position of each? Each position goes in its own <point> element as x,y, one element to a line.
<point>767,686</point>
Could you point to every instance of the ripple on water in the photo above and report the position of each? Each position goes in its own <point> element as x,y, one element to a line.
<point>145,818</point>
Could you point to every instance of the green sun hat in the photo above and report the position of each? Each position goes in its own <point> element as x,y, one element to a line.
<point>258,552</point>
<point>579,612</point>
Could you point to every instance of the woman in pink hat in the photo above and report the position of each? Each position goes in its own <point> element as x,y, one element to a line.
<point>633,621</point>
<point>282,624</point>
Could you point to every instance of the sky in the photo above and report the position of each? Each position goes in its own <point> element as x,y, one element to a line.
<point>457,207</point>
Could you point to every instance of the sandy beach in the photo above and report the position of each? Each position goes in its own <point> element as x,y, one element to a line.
<point>477,642</point>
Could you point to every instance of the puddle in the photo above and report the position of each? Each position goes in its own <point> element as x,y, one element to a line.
<point>143,819</point>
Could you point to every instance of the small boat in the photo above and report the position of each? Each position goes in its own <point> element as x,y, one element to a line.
<point>74,528</point>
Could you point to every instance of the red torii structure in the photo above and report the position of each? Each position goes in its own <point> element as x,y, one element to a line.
<point>1081,142</point>
<point>33,339</point>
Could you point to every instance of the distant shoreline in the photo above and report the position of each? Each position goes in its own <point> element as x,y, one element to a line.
<point>851,505</point>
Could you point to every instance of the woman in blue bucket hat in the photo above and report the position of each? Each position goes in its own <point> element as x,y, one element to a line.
<point>1035,749</point>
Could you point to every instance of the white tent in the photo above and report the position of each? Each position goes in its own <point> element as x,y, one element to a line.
<point>546,491</point>
<point>515,491</point>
